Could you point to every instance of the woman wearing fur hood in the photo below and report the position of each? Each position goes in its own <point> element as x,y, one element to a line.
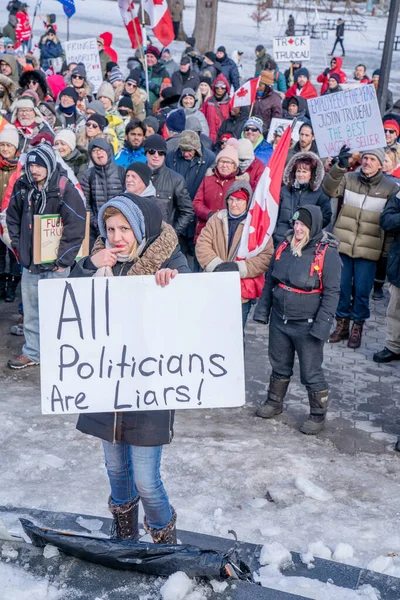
<point>302,185</point>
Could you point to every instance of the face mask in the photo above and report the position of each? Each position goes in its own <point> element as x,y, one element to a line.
<point>69,110</point>
<point>122,112</point>
<point>260,94</point>
<point>244,164</point>
<point>2,94</point>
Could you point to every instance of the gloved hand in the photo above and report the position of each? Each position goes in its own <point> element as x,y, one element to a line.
<point>153,87</point>
<point>225,267</point>
<point>343,157</point>
<point>326,71</point>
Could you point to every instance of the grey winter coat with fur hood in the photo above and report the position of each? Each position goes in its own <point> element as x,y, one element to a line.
<point>292,198</point>
<point>195,110</point>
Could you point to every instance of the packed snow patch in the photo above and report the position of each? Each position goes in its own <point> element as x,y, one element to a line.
<point>319,549</point>
<point>20,585</point>
<point>177,586</point>
<point>8,552</point>
<point>311,490</point>
<point>276,555</point>
<point>343,552</point>
<point>218,586</point>
<point>381,564</point>
<point>50,551</point>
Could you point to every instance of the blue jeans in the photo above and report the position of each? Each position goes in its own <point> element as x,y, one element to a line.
<point>30,301</point>
<point>135,471</point>
<point>246,308</point>
<point>356,283</point>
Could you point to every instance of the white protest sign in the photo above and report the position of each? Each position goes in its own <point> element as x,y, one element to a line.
<point>86,52</point>
<point>351,117</point>
<point>275,122</point>
<point>126,344</point>
<point>295,47</point>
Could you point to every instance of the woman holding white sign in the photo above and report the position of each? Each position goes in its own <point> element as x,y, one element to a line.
<point>134,241</point>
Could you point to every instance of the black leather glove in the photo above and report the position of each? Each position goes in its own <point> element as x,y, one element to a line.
<point>226,267</point>
<point>326,71</point>
<point>343,157</point>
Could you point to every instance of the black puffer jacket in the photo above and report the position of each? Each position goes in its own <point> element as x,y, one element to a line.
<point>234,125</point>
<point>291,198</point>
<point>172,191</point>
<point>294,271</point>
<point>68,204</point>
<point>179,80</point>
<point>390,222</point>
<point>100,184</point>
<point>193,171</point>
<point>142,428</point>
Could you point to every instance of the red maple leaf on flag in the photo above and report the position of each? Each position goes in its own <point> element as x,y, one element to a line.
<point>291,41</point>
<point>242,93</point>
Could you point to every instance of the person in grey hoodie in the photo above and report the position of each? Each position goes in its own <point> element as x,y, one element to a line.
<point>190,105</point>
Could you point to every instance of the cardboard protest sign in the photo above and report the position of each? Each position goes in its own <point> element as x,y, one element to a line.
<point>47,234</point>
<point>126,344</point>
<point>295,47</point>
<point>86,52</point>
<point>275,122</point>
<point>351,117</point>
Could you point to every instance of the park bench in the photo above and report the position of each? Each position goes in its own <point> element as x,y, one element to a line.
<point>396,43</point>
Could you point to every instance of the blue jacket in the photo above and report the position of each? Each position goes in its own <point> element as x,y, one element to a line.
<point>49,50</point>
<point>279,82</point>
<point>390,222</point>
<point>230,70</point>
<point>263,151</point>
<point>127,156</point>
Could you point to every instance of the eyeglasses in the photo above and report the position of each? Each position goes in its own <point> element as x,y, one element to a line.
<point>77,77</point>
<point>253,129</point>
<point>235,200</point>
<point>153,152</point>
<point>10,47</point>
<point>92,125</point>
<point>25,111</point>
<point>226,162</point>
<point>389,131</point>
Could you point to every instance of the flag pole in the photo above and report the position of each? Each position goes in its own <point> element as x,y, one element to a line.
<point>144,38</point>
<point>37,6</point>
<point>251,109</point>
<point>67,29</point>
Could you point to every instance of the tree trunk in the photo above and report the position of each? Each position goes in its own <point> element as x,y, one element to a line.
<point>206,25</point>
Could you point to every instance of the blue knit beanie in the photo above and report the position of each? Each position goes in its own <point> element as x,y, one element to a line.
<point>176,120</point>
<point>131,212</point>
<point>255,122</point>
<point>302,71</point>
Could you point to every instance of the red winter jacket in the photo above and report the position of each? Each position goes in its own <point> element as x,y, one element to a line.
<point>325,78</point>
<point>308,91</point>
<point>107,37</point>
<point>255,170</point>
<point>210,197</point>
<point>216,112</point>
<point>23,28</point>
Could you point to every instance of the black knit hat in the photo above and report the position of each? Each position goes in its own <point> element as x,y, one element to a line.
<point>221,49</point>
<point>206,80</point>
<point>99,119</point>
<point>259,48</point>
<point>191,41</point>
<point>155,142</point>
<point>210,55</point>
<point>110,65</point>
<point>71,92</point>
<point>143,170</point>
<point>185,60</point>
<point>303,215</point>
<point>125,101</point>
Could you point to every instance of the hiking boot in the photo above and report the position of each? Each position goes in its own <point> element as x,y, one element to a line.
<point>385,356</point>
<point>12,285</point>
<point>21,362</point>
<point>125,525</point>
<point>167,535</point>
<point>273,405</point>
<point>378,294</point>
<point>18,329</point>
<point>318,409</point>
<point>341,332</point>
<point>355,336</point>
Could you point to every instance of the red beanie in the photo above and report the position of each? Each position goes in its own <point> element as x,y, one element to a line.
<point>392,124</point>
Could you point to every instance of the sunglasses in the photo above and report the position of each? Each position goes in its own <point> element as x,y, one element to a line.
<point>253,129</point>
<point>389,131</point>
<point>220,87</point>
<point>159,152</point>
<point>10,47</point>
<point>131,83</point>
<point>93,125</point>
<point>77,77</point>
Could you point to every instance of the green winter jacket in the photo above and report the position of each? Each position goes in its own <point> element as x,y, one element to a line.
<point>364,199</point>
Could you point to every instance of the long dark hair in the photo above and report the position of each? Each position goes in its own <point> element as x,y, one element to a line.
<point>303,160</point>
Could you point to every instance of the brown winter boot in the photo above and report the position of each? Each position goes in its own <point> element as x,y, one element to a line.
<point>318,408</point>
<point>341,332</point>
<point>355,336</point>
<point>125,524</point>
<point>167,535</point>
<point>273,405</point>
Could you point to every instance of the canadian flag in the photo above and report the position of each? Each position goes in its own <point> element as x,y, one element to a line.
<point>160,20</point>
<point>263,213</point>
<point>246,94</point>
<point>130,17</point>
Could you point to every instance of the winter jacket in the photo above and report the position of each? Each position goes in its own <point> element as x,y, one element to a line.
<point>180,81</point>
<point>48,51</point>
<point>390,223</point>
<point>234,125</point>
<point>78,161</point>
<point>9,31</point>
<point>307,91</point>
<point>335,90</point>
<point>100,184</point>
<point>11,60</point>
<point>7,176</point>
<point>216,111</point>
<point>212,70</point>
<point>117,124</point>
<point>324,77</point>
<point>279,82</point>
<point>230,71</point>
<point>171,189</point>
<point>254,171</point>
<point>192,171</point>
<point>104,59</point>
<point>23,28</point>
<point>158,79</point>
<point>296,149</point>
<point>77,125</point>
<point>25,137</point>
<point>340,30</point>
<point>301,112</point>
<point>261,62</point>
<point>138,428</point>
<point>20,215</point>
<point>127,156</point>
<point>210,197</point>
<point>268,107</point>
<point>176,13</point>
<point>195,111</point>
<point>263,150</point>
<point>294,272</point>
<point>212,248</point>
<point>364,199</point>
<point>291,199</point>
<point>107,38</point>
<point>171,66</point>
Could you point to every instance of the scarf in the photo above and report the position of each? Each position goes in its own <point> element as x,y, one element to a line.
<point>26,129</point>
<point>69,110</point>
<point>8,164</point>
